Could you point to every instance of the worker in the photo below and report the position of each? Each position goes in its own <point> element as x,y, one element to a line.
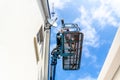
<point>69,39</point>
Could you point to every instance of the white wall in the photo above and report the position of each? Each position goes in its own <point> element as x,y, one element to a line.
<point>44,57</point>
<point>117,75</point>
<point>20,20</point>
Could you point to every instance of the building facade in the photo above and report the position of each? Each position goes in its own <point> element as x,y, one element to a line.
<point>41,42</point>
<point>24,43</point>
<point>111,67</point>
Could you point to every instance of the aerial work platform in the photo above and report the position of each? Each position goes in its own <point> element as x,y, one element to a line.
<point>69,46</point>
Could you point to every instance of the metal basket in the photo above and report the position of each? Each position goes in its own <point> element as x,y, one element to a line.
<point>72,45</point>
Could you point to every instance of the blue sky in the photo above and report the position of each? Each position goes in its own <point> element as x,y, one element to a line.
<point>99,21</point>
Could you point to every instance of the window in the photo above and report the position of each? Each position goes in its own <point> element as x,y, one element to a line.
<point>40,35</point>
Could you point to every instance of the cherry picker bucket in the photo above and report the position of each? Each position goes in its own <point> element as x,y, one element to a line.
<point>72,46</point>
<point>72,40</point>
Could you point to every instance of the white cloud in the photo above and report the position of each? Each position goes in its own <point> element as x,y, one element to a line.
<point>107,13</point>
<point>104,15</point>
<point>87,78</point>
<point>113,4</point>
<point>91,37</point>
<point>101,14</point>
<point>58,4</point>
